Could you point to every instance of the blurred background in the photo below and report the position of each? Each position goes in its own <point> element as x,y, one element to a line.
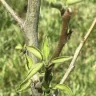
<point>12,66</point>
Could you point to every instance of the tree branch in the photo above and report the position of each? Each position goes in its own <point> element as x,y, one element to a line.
<point>64,33</point>
<point>11,11</point>
<point>63,39</point>
<point>31,38</point>
<point>72,64</point>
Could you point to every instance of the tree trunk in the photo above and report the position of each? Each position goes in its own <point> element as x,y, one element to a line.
<point>31,34</point>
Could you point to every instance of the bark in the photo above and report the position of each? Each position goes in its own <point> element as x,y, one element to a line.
<point>62,41</point>
<point>31,34</point>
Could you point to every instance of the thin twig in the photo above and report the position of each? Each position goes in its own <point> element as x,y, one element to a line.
<point>11,11</point>
<point>72,64</point>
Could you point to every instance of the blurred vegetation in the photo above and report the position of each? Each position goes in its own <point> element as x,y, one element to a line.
<point>12,69</point>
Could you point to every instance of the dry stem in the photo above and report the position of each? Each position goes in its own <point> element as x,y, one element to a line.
<point>72,64</point>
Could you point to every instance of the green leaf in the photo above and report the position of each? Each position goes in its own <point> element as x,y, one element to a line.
<point>61,59</point>
<point>45,48</point>
<point>33,71</point>
<point>64,88</point>
<point>24,86</point>
<point>35,51</point>
<point>69,2</point>
<point>29,62</point>
<point>19,46</point>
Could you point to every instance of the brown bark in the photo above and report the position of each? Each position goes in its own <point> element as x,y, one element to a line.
<point>62,41</point>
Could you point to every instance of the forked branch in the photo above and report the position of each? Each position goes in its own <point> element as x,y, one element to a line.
<point>11,11</point>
